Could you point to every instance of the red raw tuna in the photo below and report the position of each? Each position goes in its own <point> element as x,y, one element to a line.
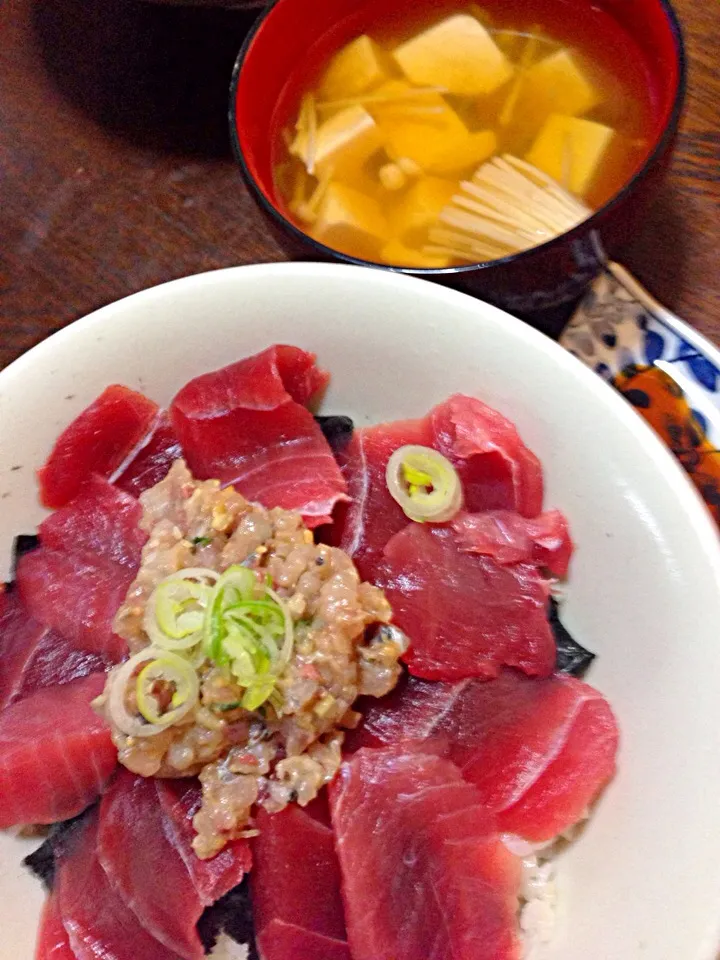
<point>56,754</point>
<point>153,460</point>
<point>539,751</point>
<point>52,939</point>
<point>286,941</point>
<point>497,471</point>
<point>33,656</point>
<point>89,554</point>
<point>76,598</point>
<point>132,847</point>
<point>466,615</point>
<point>372,516</point>
<point>247,425</point>
<point>99,924</point>
<point>96,442</point>
<point>296,886</point>
<point>102,522</point>
<point>510,538</point>
<point>425,875</point>
<point>56,662</point>
<point>180,800</point>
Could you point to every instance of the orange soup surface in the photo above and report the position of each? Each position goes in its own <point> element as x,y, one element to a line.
<point>391,123</point>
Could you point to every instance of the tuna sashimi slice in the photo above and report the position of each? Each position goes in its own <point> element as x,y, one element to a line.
<point>497,470</point>
<point>247,425</point>
<point>296,878</point>
<point>152,461</point>
<point>510,538</point>
<point>285,941</point>
<point>52,938</point>
<point>372,516</point>
<point>89,554</point>
<point>76,597</point>
<point>538,751</point>
<point>56,754</point>
<point>96,442</point>
<point>56,661</point>
<point>144,868</point>
<point>102,522</point>
<point>20,636</point>
<point>425,875</point>
<point>465,615</point>
<point>180,800</point>
<point>33,656</point>
<point>99,924</point>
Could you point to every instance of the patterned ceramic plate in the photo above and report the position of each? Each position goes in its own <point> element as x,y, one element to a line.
<point>667,370</point>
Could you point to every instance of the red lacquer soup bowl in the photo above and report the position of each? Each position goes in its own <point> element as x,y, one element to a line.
<point>293,37</point>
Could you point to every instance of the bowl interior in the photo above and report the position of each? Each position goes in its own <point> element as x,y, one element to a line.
<point>644,590</point>
<point>293,38</point>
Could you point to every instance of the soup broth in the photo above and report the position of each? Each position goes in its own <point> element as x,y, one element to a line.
<point>375,138</point>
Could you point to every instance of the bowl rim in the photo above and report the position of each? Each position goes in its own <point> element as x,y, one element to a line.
<point>126,312</point>
<point>662,142</point>
<point>11,376</point>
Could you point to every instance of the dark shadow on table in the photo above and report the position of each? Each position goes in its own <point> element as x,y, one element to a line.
<point>659,266</point>
<point>157,75</point>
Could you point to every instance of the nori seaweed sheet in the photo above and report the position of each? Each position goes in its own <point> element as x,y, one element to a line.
<point>23,543</point>
<point>571,657</point>
<point>337,430</point>
<point>233,915</point>
<point>42,862</point>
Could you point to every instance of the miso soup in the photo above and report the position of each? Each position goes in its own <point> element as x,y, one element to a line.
<point>376,139</point>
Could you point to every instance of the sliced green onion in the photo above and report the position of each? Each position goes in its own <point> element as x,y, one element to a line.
<point>175,612</point>
<point>201,541</point>
<point>232,619</point>
<point>171,669</point>
<point>252,637</point>
<point>238,580</point>
<point>424,483</point>
<point>258,693</point>
<point>176,670</point>
<point>289,639</point>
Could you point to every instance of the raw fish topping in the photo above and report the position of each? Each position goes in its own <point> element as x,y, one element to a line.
<point>247,425</point>
<point>180,613</point>
<point>251,650</point>
<point>425,873</point>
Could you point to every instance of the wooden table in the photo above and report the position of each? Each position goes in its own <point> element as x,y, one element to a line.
<point>115,171</point>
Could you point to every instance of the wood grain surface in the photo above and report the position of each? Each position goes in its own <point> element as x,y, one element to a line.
<point>115,170</point>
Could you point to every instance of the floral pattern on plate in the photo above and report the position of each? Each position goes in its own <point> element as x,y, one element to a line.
<point>665,368</point>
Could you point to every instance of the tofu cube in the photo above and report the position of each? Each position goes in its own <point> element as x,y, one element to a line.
<point>466,155</point>
<point>357,67</point>
<point>419,208</point>
<point>419,128</point>
<point>345,141</point>
<point>556,84</point>
<point>398,255</point>
<point>571,150</point>
<point>351,222</point>
<point>458,54</point>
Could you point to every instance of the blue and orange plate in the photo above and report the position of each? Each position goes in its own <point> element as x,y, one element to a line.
<point>668,371</point>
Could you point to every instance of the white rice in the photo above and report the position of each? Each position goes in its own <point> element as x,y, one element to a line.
<point>227,949</point>
<point>538,894</point>
<point>538,898</point>
<point>538,904</point>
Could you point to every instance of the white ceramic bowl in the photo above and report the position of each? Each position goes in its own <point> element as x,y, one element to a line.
<point>644,592</point>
